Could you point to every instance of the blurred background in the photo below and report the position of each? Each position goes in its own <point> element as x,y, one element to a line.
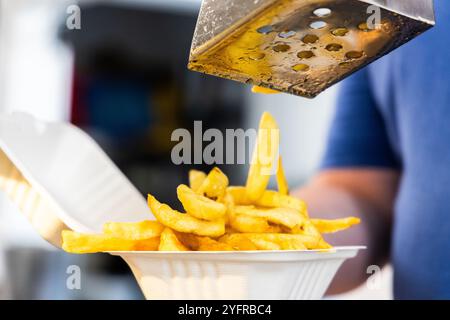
<point>123,79</point>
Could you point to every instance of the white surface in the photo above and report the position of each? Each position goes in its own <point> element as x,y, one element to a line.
<point>236,275</point>
<point>69,169</point>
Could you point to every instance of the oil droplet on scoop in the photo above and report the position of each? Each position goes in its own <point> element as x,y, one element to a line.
<point>333,47</point>
<point>310,38</point>
<point>364,27</point>
<point>305,54</point>
<point>301,67</point>
<point>339,32</point>
<point>281,48</point>
<point>354,54</point>
<point>257,56</point>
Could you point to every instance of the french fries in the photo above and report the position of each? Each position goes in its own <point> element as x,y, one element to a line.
<point>282,216</point>
<point>74,242</point>
<point>246,223</point>
<point>133,231</point>
<point>196,179</point>
<point>170,242</point>
<point>332,226</point>
<point>264,157</point>
<point>214,185</point>
<point>200,206</point>
<point>282,183</point>
<point>184,222</point>
<point>219,217</point>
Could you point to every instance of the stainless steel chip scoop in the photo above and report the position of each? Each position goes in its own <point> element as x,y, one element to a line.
<point>301,46</point>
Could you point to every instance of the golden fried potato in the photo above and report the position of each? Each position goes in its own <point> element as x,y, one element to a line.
<point>74,242</point>
<point>291,245</point>
<point>308,228</point>
<point>263,244</point>
<point>228,201</point>
<point>298,240</point>
<point>239,195</point>
<point>238,242</point>
<point>274,199</point>
<point>208,244</point>
<point>199,206</point>
<point>197,243</point>
<point>184,222</point>
<point>284,216</point>
<point>196,179</point>
<point>264,156</point>
<point>133,230</point>
<point>170,242</point>
<point>215,184</point>
<point>331,226</point>
<point>245,223</point>
<point>282,183</point>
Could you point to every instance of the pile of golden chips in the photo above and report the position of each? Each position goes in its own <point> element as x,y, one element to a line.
<point>220,217</point>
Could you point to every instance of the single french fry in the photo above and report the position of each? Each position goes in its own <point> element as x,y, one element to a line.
<point>284,216</point>
<point>264,156</point>
<point>269,199</point>
<point>263,244</point>
<point>228,201</point>
<point>331,226</point>
<point>200,206</point>
<point>133,230</point>
<point>245,223</point>
<point>282,183</point>
<point>274,199</point>
<point>170,242</point>
<point>239,195</point>
<point>196,179</point>
<point>74,242</point>
<point>215,184</point>
<point>299,240</point>
<point>184,222</point>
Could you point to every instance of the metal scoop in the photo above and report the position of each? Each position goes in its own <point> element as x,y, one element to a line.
<point>301,46</point>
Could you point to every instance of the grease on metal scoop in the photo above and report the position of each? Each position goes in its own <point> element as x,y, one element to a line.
<point>339,32</point>
<point>281,48</point>
<point>354,54</point>
<point>305,54</point>
<point>333,47</point>
<point>310,38</point>
<point>257,56</point>
<point>301,67</point>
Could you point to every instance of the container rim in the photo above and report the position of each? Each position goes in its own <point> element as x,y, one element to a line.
<point>243,256</point>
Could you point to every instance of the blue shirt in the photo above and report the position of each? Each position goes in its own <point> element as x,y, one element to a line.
<point>396,114</point>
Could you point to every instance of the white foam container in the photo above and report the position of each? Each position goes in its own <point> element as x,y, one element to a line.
<point>253,275</point>
<point>61,179</point>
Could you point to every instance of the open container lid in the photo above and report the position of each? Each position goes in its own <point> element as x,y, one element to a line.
<point>70,173</point>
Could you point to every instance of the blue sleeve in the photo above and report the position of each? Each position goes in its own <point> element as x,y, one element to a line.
<point>358,136</point>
